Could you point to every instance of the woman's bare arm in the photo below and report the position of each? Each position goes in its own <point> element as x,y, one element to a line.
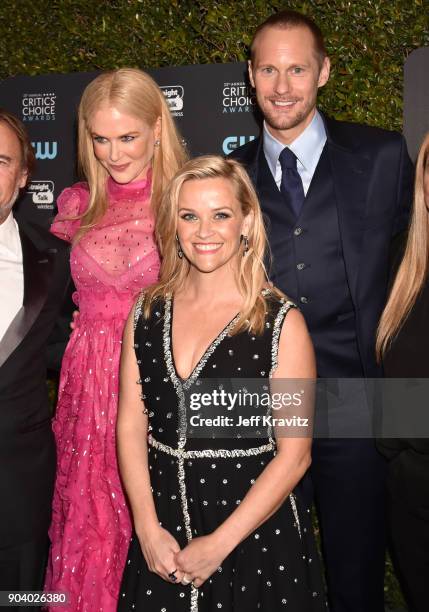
<point>157,544</point>
<point>132,429</point>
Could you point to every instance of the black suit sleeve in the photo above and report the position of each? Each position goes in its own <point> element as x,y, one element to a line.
<point>405,188</point>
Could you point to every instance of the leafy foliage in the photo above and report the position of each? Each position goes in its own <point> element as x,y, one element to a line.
<point>368,41</point>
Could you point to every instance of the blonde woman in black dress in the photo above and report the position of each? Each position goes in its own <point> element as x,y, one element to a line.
<point>402,343</point>
<point>217,525</point>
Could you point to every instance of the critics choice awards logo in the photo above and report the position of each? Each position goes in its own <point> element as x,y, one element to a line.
<point>38,106</point>
<point>237,97</point>
<point>174,97</point>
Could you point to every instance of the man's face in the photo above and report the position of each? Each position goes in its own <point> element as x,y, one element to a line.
<point>286,74</point>
<point>12,175</point>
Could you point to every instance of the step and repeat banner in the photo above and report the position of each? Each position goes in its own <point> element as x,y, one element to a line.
<point>213,105</point>
<point>416,99</point>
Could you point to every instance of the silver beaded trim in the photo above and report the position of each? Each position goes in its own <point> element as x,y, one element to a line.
<point>211,453</point>
<point>274,363</point>
<point>276,333</point>
<point>283,310</point>
<point>184,385</point>
<point>138,309</point>
<point>137,314</point>
<point>295,512</point>
<point>171,372</point>
<point>183,501</point>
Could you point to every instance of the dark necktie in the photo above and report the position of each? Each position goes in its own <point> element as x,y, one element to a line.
<point>291,185</point>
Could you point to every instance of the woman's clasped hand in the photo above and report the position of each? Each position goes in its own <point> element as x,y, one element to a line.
<point>194,564</point>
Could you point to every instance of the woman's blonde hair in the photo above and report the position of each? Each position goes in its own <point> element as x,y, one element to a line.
<point>252,277</point>
<point>134,92</point>
<point>413,271</point>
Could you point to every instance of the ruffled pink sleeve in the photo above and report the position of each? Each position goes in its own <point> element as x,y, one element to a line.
<point>71,202</point>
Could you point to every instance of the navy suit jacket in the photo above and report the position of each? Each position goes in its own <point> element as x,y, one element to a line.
<point>373,182</point>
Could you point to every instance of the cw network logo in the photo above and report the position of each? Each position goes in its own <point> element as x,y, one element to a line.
<point>233,142</point>
<point>45,150</point>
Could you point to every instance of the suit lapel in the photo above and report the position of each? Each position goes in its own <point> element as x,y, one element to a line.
<point>350,171</point>
<point>37,267</point>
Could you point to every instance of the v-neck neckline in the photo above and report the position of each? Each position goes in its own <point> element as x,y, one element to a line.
<point>169,309</point>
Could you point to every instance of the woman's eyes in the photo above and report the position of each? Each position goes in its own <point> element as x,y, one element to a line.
<point>192,217</point>
<point>103,140</point>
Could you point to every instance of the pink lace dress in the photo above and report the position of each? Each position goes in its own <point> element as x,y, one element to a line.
<point>91,524</point>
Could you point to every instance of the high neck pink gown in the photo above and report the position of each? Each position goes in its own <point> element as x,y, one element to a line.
<point>91,524</point>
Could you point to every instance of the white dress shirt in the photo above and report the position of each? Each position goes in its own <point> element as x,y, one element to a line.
<point>307,147</point>
<point>11,273</point>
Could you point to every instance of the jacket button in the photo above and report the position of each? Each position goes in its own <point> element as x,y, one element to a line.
<point>297,231</point>
<point>300,266</point>
<point>303,299</point>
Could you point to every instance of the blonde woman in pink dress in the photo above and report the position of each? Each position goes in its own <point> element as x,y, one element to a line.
<point>128,150</point>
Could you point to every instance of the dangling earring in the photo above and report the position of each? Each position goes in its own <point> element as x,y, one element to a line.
<point>179,248</point>
<point>245,244</point>
<point>157,143</point>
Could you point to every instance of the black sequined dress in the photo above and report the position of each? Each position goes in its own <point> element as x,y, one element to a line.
<point>197,484</point>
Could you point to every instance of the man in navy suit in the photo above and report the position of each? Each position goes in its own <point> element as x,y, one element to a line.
<point>333,194</point>
<point>34,274</point>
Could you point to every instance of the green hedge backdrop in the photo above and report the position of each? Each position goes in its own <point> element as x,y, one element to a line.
<point>368,41</point>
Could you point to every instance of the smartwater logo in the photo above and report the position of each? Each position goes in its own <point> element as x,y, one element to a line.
<point>45,150</point>
<point>174,97</point>
<point>233,142</point>
<point>42,194</point>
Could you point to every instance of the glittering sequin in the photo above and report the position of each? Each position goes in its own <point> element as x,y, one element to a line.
<point>210,452</point>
